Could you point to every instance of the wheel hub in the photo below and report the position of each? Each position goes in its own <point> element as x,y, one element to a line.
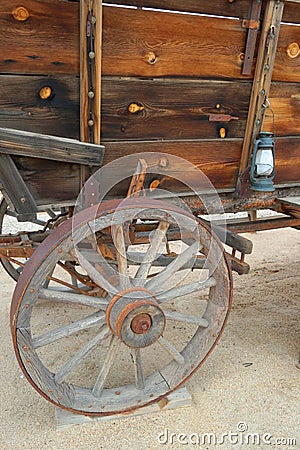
<point>136,318</point>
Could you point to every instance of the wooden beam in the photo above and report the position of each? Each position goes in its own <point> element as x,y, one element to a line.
<point>90,69</point>
<point>261,84</point>
<point>24,143</point>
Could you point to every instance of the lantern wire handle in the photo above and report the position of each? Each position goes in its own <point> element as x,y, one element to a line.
<point>267,106</point>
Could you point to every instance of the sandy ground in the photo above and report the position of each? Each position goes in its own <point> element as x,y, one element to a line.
<point>249,382</point>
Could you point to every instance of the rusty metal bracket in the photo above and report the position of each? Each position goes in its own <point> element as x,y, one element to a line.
<point>253,25</point>
<point>250,24</point>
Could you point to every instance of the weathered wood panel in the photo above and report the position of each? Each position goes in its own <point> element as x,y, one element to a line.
<point>173,109</point>
<point>49,182</point>
<point>239,9</point>
<point>285,103</point>
<point>22,107</point>
<point>42,39</point>
<point>287,62</point>
<point>153,44</point>
<point>170,109</point>
<point>287,156</point>
<point>218,159</point>
<point>136,43</point>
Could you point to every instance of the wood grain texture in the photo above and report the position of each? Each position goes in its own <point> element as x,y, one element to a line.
<point>285,102</point>
<point>172,109</point>
<point>23,108</point>
<point>218,159</point>
<point>287,68</point>
<point>239,9</point>
<point>50,182</point>
<point>169,109</point>
<point>135,43</point>
<point>287,159</point>
<point>153,44</point>
<point>47,42</point>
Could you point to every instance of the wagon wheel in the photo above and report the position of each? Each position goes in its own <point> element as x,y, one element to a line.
<point>10,224</point>
<point>156,325</point>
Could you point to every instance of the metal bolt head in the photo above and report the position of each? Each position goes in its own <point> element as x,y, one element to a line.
<point>91,94</point>
<point>90,123</point>
<point>93,20</point>
<point>92,55</point>
<point>23,200</point>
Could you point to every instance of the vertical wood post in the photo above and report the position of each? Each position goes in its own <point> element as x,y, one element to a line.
<point>261,83</point>
<point>90,73</point>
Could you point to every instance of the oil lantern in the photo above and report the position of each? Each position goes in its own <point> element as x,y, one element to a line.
<point>263,162</point>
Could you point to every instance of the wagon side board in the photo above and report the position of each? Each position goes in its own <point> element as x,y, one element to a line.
<point>172,82</point>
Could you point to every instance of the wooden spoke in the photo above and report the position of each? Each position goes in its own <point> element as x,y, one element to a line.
<point>56,295</point>
<point>187,289</point>
<point>172,268</point>
<point>138,369</point>
<point>81,355</point>
<point>107,365</point>
<point>83,324</point>
<point>95,275</point>
<point>158,237</point>
<point>171,350</point>
<point>118,238</point>
<point>186,318</point>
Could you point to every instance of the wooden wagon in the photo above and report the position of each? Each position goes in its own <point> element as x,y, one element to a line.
<point>123,125</point>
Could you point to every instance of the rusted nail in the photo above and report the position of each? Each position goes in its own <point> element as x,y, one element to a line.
<point>20,13</point>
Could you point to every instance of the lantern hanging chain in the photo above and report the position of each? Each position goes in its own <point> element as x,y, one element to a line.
<point>90,35</point>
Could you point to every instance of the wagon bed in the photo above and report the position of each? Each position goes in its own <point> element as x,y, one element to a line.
<point>167,105</point>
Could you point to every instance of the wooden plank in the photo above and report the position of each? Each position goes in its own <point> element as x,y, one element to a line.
<point>23,107</point>
<point>218,159</point>
<point>47,42</point>
<point>90,69</point>
<point>36,145</point>
<point>177,399</point>
<point>50,182</point>
<point>287,160</point>
<point>162,114</point>
<point>217,7</point>
<point>285,102</point>
<point>14,188</point>
<point>173,109</point>
<point>291,12</point>
<point>152,44</point>
<point>287,63</point>
<point>238,9</point>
